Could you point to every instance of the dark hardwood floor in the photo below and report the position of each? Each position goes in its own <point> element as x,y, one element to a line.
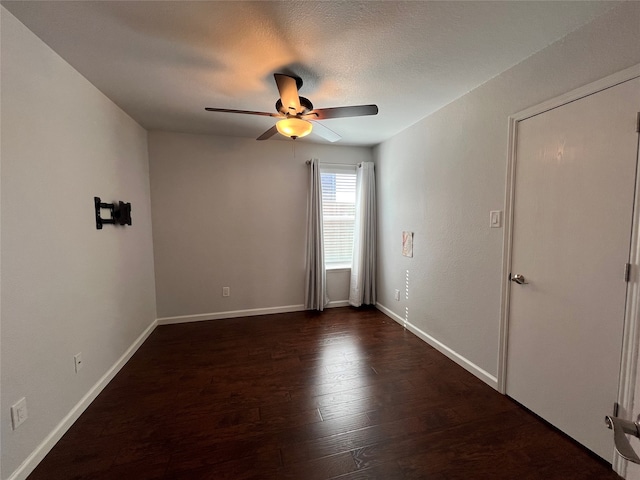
<point>346,394</point>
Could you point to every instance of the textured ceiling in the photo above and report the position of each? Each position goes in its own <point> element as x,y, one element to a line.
<point>163,62</point>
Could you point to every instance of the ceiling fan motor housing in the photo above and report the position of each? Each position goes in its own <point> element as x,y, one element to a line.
<point>305,103</point>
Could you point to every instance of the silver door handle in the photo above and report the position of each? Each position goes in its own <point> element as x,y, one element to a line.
<point>621,428</point>
<point>519,279</point>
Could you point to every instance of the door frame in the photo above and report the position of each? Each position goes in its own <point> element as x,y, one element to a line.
<point>631,332</point>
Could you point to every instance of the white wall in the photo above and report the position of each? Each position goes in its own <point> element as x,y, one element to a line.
<point>232,212</point>
<point>442,176</point>
<point>67,287</point>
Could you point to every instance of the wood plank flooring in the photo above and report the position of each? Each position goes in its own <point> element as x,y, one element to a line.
<point>347,394</point>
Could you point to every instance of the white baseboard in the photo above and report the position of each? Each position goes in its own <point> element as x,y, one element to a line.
<point>32,461</point>
<point>442,348</point>
<point>229,314</point>
<point>390,314</point>
<point>338,303</point>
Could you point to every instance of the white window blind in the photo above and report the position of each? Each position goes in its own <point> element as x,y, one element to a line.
<point>338,213</point>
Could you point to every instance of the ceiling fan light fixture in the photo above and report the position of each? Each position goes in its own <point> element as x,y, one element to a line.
<point>294,127</point>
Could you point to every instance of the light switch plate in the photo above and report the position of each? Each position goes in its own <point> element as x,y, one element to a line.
<point>495,219</point>
<point>19,413</point>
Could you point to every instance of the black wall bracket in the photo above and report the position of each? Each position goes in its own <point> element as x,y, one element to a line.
<point>120,213</point>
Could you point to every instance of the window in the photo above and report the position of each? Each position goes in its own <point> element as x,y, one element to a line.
<point>338,214</point>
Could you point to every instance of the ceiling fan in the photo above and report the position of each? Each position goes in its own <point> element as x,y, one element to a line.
<point>298,117</point>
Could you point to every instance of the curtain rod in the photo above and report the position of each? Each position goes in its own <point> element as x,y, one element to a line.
<point>308,162</point>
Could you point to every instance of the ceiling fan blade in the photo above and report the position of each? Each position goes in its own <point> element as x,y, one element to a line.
<point>325,132</point>
<point>288,88</point>
<point>226,110</point>
<point>341,112</point>
<point>268,134</point>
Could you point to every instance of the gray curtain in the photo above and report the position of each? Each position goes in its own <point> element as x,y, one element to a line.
<point>316,278</point>
<point>362,288</point>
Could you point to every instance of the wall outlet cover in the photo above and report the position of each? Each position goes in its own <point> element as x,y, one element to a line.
<point>77,360</point>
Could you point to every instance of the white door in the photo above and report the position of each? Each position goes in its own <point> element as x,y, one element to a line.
<point>575,177</point>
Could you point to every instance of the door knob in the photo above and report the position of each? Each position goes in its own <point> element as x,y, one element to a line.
<point>519,279</point>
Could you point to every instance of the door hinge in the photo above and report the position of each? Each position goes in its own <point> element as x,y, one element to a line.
<point>627,272</point>
<point>616,409</point>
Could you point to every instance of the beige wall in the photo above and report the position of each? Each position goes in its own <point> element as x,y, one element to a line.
<point>67,287</point>
<point>441,177</point>
<point>232,212</point>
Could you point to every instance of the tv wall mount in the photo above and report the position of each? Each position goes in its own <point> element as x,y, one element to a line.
<point>120,213</point>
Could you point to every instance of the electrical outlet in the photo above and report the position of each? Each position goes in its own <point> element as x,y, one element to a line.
<point>226,292</point>
<point>77,360</point>
<point>19,413</point>
<point>397,295</point>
